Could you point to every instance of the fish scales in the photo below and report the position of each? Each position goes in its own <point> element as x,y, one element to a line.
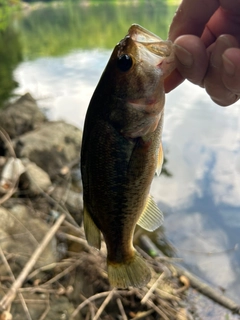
<point>121,151</point>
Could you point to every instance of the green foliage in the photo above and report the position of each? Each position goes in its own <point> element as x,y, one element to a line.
<point>10,56</point>
<point>6,9</point>
<point>52,31</point>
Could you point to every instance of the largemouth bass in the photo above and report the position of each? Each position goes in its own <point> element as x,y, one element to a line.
<point>121,151</point>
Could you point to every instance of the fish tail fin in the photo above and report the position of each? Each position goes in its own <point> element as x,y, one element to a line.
<point>133,273</point>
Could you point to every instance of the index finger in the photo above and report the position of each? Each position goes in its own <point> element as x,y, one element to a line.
<point>191,17</point>
<point>226,20</point>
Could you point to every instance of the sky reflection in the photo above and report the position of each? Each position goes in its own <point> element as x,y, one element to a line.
<point>63,85</point>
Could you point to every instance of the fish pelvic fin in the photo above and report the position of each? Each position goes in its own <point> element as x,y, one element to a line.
<point>151,217</point>
<point>134,273</point>
<point>92,232</point>
<point>160,158</point>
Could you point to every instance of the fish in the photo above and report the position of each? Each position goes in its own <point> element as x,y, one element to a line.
<point>121,152</point>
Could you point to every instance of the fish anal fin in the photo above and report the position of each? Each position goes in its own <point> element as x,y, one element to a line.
<point>159,160</point>
<point>92,232</point>
<point>134,273</point>
<point>151,217</point>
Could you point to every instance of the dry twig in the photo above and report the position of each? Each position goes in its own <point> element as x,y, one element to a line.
<point>74,229</point>
<point>63,273</point>
<point>92,306</point>
<point>23,302</point>
<point>152,305</point>
<point>5,137</point>
<point>51,266</point>
<point>45,312</point>
<point>143,314</point>
<point>104,304</point>
<point>89,300</point>
<point>10,296</point>
<point>121,309</point>
<point>70,237</point>
<point>153,287</point>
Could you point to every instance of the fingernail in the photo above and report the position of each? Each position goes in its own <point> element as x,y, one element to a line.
<point>228,66</point>
<point>184,56</point>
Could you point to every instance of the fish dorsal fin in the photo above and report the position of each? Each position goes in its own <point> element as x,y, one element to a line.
<point>159,160</point>
<point>152,217</point>
<point>92,232</point>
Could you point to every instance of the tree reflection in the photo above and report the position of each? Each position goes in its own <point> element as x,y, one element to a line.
<point>10,56</point>
<point>71,26</point>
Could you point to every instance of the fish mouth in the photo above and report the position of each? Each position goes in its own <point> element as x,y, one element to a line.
<point>152,42</point>
<point>140,34</point>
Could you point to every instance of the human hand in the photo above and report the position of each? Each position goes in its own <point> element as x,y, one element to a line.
<point>207,38</point>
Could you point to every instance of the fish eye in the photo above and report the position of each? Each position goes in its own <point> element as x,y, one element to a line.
<point>124,62</point>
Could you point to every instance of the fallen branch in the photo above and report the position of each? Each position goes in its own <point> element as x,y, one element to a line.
<point>23,302</point>
<point>11,294</point>
<point>50,266</point>
<point>75,229</point>
<point>195,282</point>
<point>62,274</point>
<point>70,237</point>
<point>153,287</point>
<point>104,304</point>
<point>8,142</point>
<point>45,312</point>
<point>89,300</point>
<point>152,305</point>
<point>143,314</point>
<point>121,309</point>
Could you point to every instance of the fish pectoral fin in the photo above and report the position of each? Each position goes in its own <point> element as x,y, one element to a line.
<point>152,216</point>
<point>159,160</point>
<point>92,232</point>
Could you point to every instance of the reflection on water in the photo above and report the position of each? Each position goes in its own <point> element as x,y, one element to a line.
<point>201,196</point>
<point>64,85</point>
<point>204,145</point>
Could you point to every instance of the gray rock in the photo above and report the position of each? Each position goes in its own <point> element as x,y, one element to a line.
<point>21,116</point>
<point>51,147</point>
<point>20,234</point>
<point>35,179</point>
<point>71,200</point>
